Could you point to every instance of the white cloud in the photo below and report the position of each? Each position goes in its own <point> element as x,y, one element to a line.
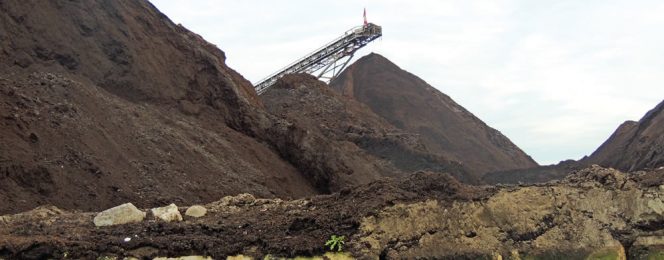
<point>556,76</point>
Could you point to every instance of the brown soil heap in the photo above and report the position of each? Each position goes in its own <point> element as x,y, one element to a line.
<point>105,102</point>
<point>411,104</point>
<point>378,148</point>
<point>634,145</point>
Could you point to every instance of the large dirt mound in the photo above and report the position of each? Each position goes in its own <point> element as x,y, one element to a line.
<point>634,145</point>
<point>75,145</point>
<point>595,213</point>
<point>378,148</point>
<point>411,104</point>
<point>108,101</point>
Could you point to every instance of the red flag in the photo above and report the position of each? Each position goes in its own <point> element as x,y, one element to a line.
<point>365,16</point>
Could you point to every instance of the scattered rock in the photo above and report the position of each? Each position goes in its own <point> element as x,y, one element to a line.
<point>123,214</point>
<point>23,59</point>
<point>656,205</point>
<point>169,213</point>
<point>496,256</point>
<point>36,214</point>
<point>196,211</point>
<point>238,200</point>
<point>514,254</point>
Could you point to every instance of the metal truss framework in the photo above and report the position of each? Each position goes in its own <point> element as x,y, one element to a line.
<point>328,60</point>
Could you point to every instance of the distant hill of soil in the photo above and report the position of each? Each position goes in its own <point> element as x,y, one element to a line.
<point>379,148</point>
<point>634,145</point>
<point>410,104</point>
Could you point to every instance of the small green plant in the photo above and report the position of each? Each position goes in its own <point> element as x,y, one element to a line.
<point>335,241</point>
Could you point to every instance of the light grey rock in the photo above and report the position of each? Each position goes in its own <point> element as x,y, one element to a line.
<point>123,214</point>
<point>196,211</point>
<point>168,213</point>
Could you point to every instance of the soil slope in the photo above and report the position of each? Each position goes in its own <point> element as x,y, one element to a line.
<point>108,101</point>
<point>379,148</point>
<point>634,145</point>
<point>411,104</point>
<point>75,145</point>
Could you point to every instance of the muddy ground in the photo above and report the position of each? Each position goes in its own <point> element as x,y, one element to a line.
<point>593,213</point>
<point>240,224</point>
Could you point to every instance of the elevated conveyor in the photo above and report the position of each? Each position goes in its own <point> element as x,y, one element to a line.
<point>328,61</point>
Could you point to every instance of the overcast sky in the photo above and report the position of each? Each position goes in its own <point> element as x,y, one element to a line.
<point>555,76</point>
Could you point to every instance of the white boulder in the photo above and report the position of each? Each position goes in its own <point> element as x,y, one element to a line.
<point>196,211</point>
<point>123,214</point>
<point>169,213</point>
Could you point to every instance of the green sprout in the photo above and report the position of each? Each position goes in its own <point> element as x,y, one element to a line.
<point>335,241</point>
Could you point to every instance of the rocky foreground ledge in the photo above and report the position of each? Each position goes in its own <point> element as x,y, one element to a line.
<point>595,213</point>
